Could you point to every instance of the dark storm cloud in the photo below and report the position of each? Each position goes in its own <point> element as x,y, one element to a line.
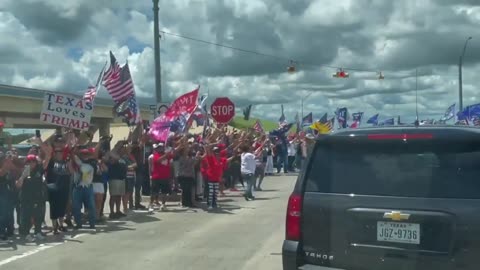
<point>76,83</point>
<point>255,35</point>
<point>458,2</point>
<point>395,88</point>
<point>49,25</point>
<point>385,101</point>
<point>241,102</point>
<point>428,48</point>
<point>295,8</point>
<point>311,47</point>
<point>12,54</point>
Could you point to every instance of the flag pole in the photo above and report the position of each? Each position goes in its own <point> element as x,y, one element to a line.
<point>100,76</point>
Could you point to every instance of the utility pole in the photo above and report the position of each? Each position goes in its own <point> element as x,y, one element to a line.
<point>156,42</point>
<point>460,83</point>
<point>417,123</point>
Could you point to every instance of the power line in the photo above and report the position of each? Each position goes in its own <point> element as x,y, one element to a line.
<point>227,46</point>
<point>260,53</point>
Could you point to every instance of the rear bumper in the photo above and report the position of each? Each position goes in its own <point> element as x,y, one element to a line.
<point>290,255</point>
<point>316,267</point>
<point>291,261</point>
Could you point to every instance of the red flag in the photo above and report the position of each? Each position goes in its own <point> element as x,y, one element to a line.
<point>258,127</point>
<point>180,111</point>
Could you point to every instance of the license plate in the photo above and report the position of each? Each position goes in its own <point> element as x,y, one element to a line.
<point>398,232</point>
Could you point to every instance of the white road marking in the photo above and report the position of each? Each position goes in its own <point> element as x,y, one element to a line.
<point>40,248</point>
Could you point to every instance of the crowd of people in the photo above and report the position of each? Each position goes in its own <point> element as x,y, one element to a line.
<point>72,177</point>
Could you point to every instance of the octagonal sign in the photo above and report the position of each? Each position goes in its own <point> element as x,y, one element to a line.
<point>222,110</point>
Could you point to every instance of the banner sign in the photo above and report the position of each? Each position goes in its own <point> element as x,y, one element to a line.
<point>176,117</point>
<point>65,110</point>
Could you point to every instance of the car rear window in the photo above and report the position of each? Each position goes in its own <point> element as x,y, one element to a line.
<point>430,171</point>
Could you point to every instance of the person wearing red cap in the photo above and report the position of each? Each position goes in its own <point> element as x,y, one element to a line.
<point>160,175</point>
<point>214,167</point>
<point>214,171</point>
<point>33,196</point>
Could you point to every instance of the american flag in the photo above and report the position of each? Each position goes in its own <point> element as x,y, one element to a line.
<point>90,94</point>
<point>129,111</point>
<point>120,85</point>
<point>450,113</point>
<point>330,122</point>
<point>112,70</point>
<point>258,127</point>
<point>118,81</point>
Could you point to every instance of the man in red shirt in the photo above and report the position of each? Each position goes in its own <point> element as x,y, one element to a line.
<point>160,175</point>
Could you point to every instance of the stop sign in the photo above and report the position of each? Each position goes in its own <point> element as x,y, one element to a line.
<point>222,110</point>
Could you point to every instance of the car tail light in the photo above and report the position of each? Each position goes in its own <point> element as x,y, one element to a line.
<point>399,136</point>
<point>294,210</point>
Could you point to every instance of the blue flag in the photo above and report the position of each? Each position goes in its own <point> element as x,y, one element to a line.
<point>307,120</point>
<point>469,112</point>
<point>323,119</point>
<point>342,117</point>
<point>373,120</point>
<point>388,122</point>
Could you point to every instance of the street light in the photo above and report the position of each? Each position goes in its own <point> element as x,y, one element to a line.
<point>460,84</point>
<point>303,99</point>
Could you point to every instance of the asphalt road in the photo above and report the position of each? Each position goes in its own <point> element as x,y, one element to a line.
<point>242,235</point>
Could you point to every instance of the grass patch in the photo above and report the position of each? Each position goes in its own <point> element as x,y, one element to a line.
<point>239,123</point>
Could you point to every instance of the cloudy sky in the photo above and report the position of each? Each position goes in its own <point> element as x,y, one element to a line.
<point>62,45</point>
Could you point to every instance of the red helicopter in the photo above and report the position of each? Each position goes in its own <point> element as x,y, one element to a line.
<point>291,68</point>
<point>341,73</point>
